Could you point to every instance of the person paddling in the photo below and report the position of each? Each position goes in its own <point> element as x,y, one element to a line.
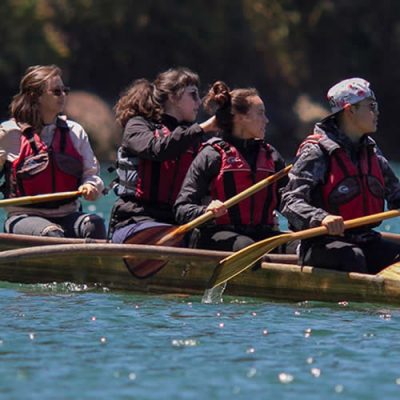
<point>159,142</point>
<point>42,152</point>
<point>226,166</point>
<point>341,174</point>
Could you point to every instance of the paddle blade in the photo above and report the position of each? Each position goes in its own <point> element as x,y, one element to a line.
<point>173,237</point>
<point>391,272</point>
<point>154,235</point>
<point>145,268</point>
<point>245,258</point>
<point>238,262</point>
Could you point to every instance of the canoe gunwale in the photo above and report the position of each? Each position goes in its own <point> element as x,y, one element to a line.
<point>187,272</point>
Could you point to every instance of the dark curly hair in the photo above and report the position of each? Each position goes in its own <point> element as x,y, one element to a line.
<point>147,99</point>
<point>173,82</point>
<point>138,100</point>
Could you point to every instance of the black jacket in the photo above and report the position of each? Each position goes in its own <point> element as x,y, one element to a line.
<point>194,196</point>
<point>139,140</point>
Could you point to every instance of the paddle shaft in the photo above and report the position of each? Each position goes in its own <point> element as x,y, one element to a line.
<point>269,244</point>
<point>209,215</point>
<point>42,198</point>
<point>349,224</point>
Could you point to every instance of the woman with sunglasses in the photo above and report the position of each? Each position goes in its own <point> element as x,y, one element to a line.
<point>228,165</point>
<point>159,142</point>
<point>340,174</point>
<point>42,152</point>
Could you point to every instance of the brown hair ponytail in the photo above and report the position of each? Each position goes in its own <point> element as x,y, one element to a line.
<point>226,103</point>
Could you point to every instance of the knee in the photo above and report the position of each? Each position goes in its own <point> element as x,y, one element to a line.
<point>52,231</point>
<point>91,226</point>
<point>241,242</point>
<point>354,260</point>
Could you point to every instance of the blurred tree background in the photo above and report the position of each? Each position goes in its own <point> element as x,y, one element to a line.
<point>292,51</point>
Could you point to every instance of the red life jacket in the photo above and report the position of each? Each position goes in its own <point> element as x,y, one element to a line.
<point>235,176</point>
<point>160,182</point>
<point>351,191</point>
<point>40,169</point>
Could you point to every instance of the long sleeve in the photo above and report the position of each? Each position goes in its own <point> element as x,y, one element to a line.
<point>392,184</point>
<point>10,135</point>
<point>3,152</point>
<point>308,171</point>
<point>195,188</point>
<point>139,140</point>
<point>279,164</point>
<point>91,168</point>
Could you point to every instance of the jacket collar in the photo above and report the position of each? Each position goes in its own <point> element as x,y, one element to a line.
<point>332,132</point>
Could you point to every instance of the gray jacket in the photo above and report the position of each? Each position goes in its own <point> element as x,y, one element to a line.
<point>299,203</point>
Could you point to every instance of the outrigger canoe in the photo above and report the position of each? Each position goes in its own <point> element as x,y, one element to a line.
<point>29,259</point>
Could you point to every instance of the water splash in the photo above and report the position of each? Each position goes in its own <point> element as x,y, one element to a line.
<point>63,287</point>
<point>214,295</point>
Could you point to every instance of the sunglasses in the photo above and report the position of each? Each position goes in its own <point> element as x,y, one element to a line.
<point>60,91</point>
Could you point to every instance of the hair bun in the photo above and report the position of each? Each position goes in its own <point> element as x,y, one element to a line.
<point>221,93</point>
<point>217,97</point>
<point>222,98</point>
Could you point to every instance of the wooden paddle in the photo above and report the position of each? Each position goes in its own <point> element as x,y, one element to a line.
<point>243,259</point>
<point>180,231</point>
<point>172,235</point>
<point>41,198</point>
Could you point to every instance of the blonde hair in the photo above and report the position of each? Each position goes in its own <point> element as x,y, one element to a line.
<point>24,107</point>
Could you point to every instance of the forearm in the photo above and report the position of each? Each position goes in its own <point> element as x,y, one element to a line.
<point>186,212</point>
<point>188,205</point>
<point>172,146</point>
<point>298,203</point>
<point>91,171</point>
<point>282,183</point>
<point>91,167</point>
<point>141,140</point>
<point>392,184</point>
<point>191,201</point>
<point>299,212</point>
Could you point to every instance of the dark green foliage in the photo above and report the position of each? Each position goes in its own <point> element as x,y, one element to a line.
<point>285,48</point>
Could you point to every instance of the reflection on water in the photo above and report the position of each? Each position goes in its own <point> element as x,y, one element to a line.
<point>68,341</point>
<point>87,344</point>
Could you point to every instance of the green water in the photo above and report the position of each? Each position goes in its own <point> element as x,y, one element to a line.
<point>65,341</point>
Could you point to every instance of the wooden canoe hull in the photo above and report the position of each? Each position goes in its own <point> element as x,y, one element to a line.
<point>187,272</point>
